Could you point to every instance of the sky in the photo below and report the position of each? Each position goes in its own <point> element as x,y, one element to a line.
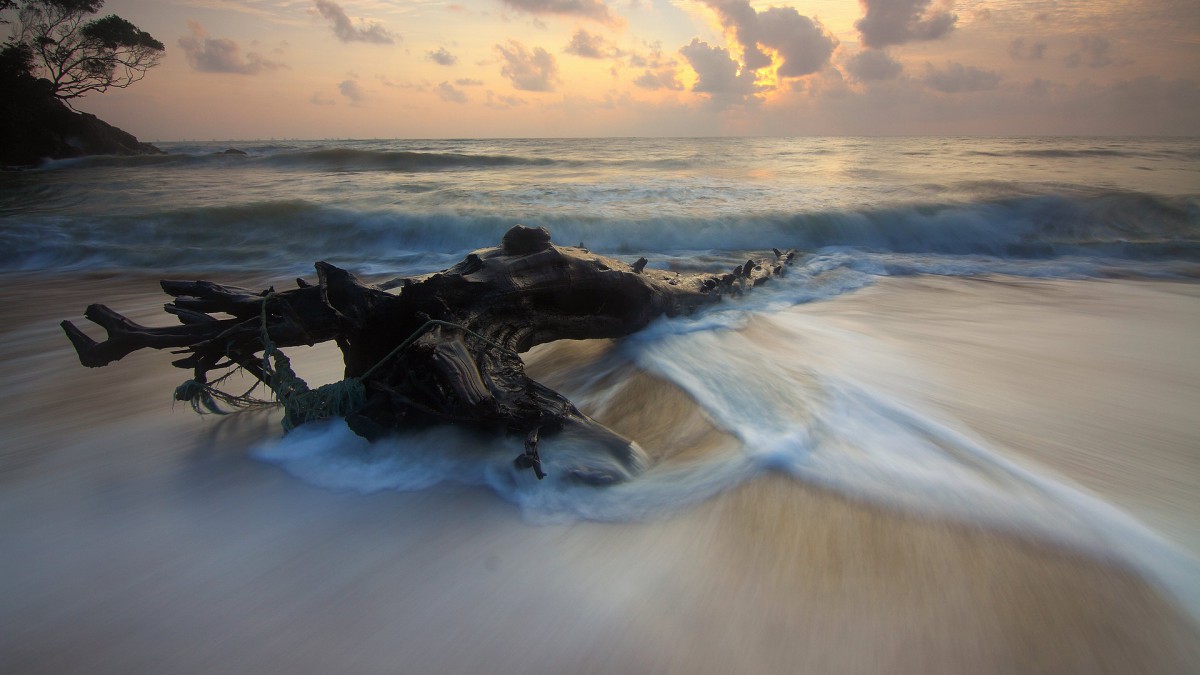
<point>315,69</point>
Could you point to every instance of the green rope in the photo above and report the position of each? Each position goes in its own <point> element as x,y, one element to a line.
<point>301,403</point>
<point>203,397</point>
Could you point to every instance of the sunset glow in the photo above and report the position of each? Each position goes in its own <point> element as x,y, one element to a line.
<point>493,68</point>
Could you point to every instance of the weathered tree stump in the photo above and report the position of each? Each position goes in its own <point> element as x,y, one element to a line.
<point>441,348</point>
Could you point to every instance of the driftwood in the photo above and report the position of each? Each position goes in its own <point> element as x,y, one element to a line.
<point>441,348</point>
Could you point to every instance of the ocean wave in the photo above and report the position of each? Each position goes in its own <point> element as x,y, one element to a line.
<point>118,162</point>
<point>324,159</point>
<point>397,160</point>
<point>365,156</point>
<point>1088,153</point>
<point>284,234</point>
<point>1058,153</point>
<point>341,158</point>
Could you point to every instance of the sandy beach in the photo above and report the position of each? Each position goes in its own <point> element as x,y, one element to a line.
<point>142,538</point>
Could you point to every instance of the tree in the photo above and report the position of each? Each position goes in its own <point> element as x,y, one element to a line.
<point>16,62</point>
<point>78,55</point>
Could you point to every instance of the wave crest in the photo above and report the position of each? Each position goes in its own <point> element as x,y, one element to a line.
<point>287,234</point>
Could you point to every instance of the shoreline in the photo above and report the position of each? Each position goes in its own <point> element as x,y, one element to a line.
<point>142,537</point>
<point>1095,335</point>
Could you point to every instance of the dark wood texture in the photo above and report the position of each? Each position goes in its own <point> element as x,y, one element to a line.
<point>502,301</point>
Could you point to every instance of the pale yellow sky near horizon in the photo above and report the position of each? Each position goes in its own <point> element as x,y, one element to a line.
<point>537,68</point>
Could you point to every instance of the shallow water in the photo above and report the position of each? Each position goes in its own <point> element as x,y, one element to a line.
<point>870,505</point>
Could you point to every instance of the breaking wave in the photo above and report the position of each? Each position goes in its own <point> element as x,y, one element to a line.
<point>327,159</point>
<point>335,159</point>
<point>1133,229</point>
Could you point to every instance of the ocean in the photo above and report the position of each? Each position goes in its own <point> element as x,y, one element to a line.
<point>1059,207</point>
<point>958,434</point>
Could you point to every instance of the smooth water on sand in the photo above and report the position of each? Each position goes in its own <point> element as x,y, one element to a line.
<point>922,475</point>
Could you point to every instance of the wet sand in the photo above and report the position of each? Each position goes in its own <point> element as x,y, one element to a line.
<point>138,537</point>
<point>1097,381</point>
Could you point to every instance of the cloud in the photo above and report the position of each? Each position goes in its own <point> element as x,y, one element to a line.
<point>718,73</point>
<point>346,31</point>
<point>319,99</point>
<point>353,92</point>
<point>441,57</point>
<point>468,82</point>
<point>388,82</point>
<point>1094,52</point>
<point>221,55</point>
<point>501,102</point>
<point>896,22</point>
<point>873,65</point>
<point>665,78</point>
<point>447,92</point>
<point>803,44</point>
<point>588,9</point>
<point>956,78</point>
<point>1022,51</point>
<point>528,71</point>
<point>653,59</point>
<point>1145,106</point>
<point>1040,88</point>
<point>590,46</point>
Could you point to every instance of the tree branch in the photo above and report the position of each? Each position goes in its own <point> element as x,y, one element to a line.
<point>494,304</point>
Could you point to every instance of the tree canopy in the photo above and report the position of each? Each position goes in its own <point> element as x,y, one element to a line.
<point>76,54</point>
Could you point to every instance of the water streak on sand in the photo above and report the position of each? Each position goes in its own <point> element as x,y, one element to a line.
<point>796,395</point>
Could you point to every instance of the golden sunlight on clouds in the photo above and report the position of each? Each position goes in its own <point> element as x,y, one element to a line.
<point>344,68</point>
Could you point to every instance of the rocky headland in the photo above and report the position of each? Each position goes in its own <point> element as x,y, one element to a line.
<point>35,126</point>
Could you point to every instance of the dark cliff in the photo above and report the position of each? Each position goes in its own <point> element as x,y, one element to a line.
<point>35,126</point>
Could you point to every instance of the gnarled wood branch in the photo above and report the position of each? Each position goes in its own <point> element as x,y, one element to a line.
<point>490,307</point>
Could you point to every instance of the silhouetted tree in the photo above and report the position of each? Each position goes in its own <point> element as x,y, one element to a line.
<point>75,54</point>
<point>16,61</point>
